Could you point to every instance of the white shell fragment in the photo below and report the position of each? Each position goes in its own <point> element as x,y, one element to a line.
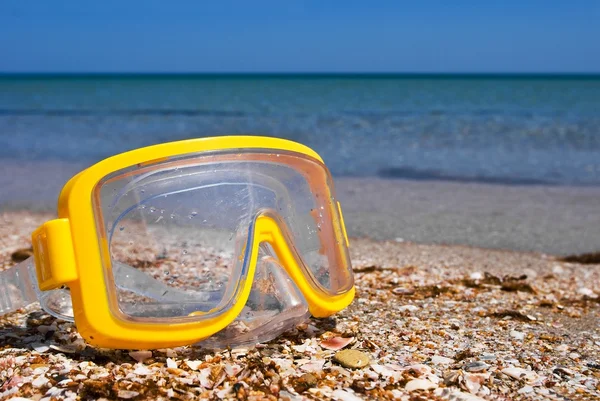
<point>409,308</point>
<point>517,335</point>
<point>419,384</point>
<point>441,360</point>
<point>40,381</point>
<point>520,374</point>
<point>193,364</point>
<point>127,394</point>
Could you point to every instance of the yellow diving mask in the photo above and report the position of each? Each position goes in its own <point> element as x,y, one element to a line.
<point>228,240</point>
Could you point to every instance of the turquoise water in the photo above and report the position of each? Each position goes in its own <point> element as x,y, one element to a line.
<point>499,129</point>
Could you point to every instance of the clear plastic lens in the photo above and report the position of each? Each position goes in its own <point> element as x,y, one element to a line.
<point>177,232</point>
<point>186,240</point>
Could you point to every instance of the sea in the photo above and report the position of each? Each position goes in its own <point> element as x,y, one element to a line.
<point>515,130</point>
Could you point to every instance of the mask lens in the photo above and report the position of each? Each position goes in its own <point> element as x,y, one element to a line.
<point>177,232</point>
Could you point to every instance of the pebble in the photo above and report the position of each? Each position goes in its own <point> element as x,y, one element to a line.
<point>44,329</point>
<point>309,379</point>
<point>419,384</point>
<point>352,359</point>
<point>410,308</point>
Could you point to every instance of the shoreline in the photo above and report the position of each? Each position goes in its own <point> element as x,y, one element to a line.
<point>560,220</point>
<point>546,219</point>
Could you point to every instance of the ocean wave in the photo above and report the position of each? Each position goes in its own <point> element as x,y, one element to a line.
<point>118,112</point>
<point>409,173</point>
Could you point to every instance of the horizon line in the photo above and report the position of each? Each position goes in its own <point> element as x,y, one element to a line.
<point>97,74</point>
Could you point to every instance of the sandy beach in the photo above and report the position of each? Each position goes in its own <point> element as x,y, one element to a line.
<point>443,322</point>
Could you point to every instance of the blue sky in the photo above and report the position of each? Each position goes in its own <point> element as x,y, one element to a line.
<point>300,36</point>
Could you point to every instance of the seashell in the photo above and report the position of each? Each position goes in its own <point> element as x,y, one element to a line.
<point>142,371</point>
<point>409,308</point>
<point>520,373</point>
<point>517,334</point>
<point>313,366</point>
<point>472,382</point>
<point>41,348</point>
<point>476,366</point>
<point>336,343</point>
<point>140,356</point>
<point>419,384</point>
<point>127,394</point>
<point>193,364</point>
<point>65,349</point>
<point>441,360</point>
<point>40,382</point>
<point>419,369</point>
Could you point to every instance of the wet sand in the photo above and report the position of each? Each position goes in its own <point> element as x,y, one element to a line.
<point>549,219</point>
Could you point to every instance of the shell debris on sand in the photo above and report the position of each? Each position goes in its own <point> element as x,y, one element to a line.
<point>433,322</point>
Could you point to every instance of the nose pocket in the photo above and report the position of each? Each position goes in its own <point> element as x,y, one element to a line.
<point>272,290</point>
<point>275,305</point>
